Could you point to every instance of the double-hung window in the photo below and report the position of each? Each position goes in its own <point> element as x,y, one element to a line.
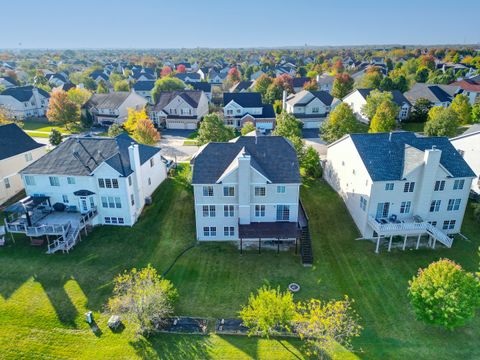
<point>281,189</point>
<point>115,183</point>
<point>228,191</point>
<point>208,210</point>
<point>259,210</point>
<point>208,190</point>
<point>228,231</point>
<point>71,180</point>
<point>29,180</point>
<point>409,187</point>
<point>439,185</point>
<point>104,202</point>
<point>283,212</point>
<point>453,204</point>
<point>228,211</point>
<point>448,225</point>
<point>389,186</point>
<point>118,203</point>
<point>435,205</point>
<point>259,190</point>
<point>209,231</point>
<point>363,203</point>
<point>54,181</point>
<point>405,207</point>
<point>101,183</point>
<point>458,184</point>
<point>108,183</point>
<point>65,199</point>
<point>28,157</point>
<point>111,202</point>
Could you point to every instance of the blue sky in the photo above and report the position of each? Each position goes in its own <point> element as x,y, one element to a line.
<point>240,23</point>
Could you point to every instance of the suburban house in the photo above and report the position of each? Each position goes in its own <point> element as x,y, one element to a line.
<point>358,98</point>
<point>468,145</point>
<point>400,184</point>
<point>247,190</point>
<point>179,109</point>
<point>242,86</point>
<point>471,89</point>
<point>188,78</point>
<point>325,82</point>
<point>310,107</point>
<point>17,150</point>
<point>438,95</point>
<point>107,109</point>
<point>7,82</point>
<point>86,180</point>
<point>298,83</point>
<point>256,75</point>
<point>247,106</point>
<point>215,77</point>
<point>25,101</point>
<point>57,79</point>
<point>144,88</point>
<point>99,75</point>
<point>202,86</point>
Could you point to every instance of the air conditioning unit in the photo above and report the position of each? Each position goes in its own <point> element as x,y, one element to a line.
<point>148,200</point>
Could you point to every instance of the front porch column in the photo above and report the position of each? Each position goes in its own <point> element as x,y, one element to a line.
<point>378,244</point>
<point>418,241</point>
<point>405,242</point>
<point>390,243</point>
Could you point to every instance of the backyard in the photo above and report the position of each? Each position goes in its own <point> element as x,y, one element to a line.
<point>42,128</point>
<point>43,298</point>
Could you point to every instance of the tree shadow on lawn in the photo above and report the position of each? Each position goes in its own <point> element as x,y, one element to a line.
<point>173,347</point>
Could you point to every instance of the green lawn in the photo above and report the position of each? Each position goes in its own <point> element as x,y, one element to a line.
<point>415,127</point>
<point>43,297</point>
<point>42,128</point>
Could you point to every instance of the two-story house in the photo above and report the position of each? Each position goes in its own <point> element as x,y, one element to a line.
<point>189,77</point>
<point>239,108</point>
<point>400,184</point>
<point>325,82</point>
<point>17,150</point>
<point>116,176</point>
<point>468,145</point>
<point>247,190</point>
<point>470,88</point>
<point>358,98</point>
<point>25,101</point>
<point>179,109</point>
<point>310,107</point>
<point>106,109</point>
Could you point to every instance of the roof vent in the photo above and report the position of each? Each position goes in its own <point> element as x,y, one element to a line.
<point>390,136</point>
<point>434,147</point>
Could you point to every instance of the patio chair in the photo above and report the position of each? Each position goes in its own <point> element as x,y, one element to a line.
<point>2,235</point>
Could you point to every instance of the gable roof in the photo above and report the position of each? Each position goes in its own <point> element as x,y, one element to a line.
<point>191,97</point>
<point>299,81</point>
<point>184,76</point>
<point>384,154</point>
<point>432,92</point>
<point>242,85</point>
<point>305,97</point>
<point>202,85</point>
<point>144,85</point>
<point>245,99</point>
<point>111,100</point>
<point>82,155</point>
<point>468,85</point>
<point>272,156</point>
<point>14,141</point>
<point>397,96</point>
<point>23,93</point>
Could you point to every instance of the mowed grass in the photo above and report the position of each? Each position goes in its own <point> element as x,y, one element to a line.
<point>43,298</point>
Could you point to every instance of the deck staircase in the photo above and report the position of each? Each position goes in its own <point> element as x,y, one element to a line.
<point>306,250</point>
<point>71,235</point>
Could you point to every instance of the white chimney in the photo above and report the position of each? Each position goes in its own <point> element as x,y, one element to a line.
<point>284,101</point>
<point>135,166</point>
<point>244,187</point>
<point>431,164</point>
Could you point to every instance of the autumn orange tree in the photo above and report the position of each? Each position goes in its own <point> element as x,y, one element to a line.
<point>145,132</point>
<point>62,110</point>
<point>132,119</point>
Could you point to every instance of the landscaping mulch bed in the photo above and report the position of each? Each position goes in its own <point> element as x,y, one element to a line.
<point>185,325</point>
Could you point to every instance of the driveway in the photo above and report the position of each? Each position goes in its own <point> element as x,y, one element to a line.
<point>171,143</point>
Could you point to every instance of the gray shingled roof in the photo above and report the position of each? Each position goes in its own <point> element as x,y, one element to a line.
<point>245,99</point>
<point>23,93</point>
<point>82,155</point>
<point>397,96</point>
<point>144,85</point>
<point>191,97</point>
<point>273,156</point>
<point>384,156</point>
<point>14,141</point>
<point>432,92</point>
<point>108,101</point>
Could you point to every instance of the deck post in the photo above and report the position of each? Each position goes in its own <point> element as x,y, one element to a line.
<point>296,241</point>
<point>390,243</point>
<point>434,242</point>
<point>259,245</point>
<point>378,244</point>
<point>405,242</point>
<point>241,246</point>
<point>278,245</point>
<point>418,241</point>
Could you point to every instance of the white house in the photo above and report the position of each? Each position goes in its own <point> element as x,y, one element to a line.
<point>180,109</point>
<point>358,98</point>
<point>468,145</point>
<point>110,108</point>
<point>7,82</point>
<point>310,107</point>
<point>25,101</point>
<point>144,88</point>
<point>189,77</point>
<point>470,88</point>
<point>325,82</point>
<point>400,184</point>
<point>247,106</point>
<point>247,189</point>
<point>437,94</point>
<point>17,150</point>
